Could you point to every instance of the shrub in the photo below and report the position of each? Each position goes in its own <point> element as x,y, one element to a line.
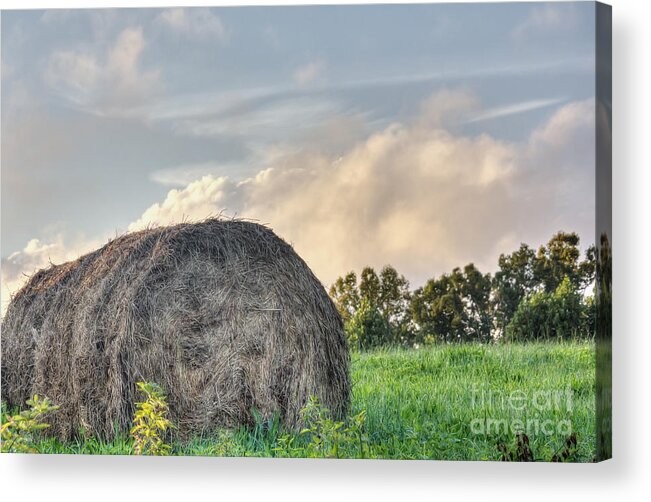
<point>150,422</point>
<point>324,437</point>
<point>327,437</point>
<point>324,433</point>
<point>19,431</point>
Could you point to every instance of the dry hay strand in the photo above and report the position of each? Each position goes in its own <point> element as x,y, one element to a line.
<point>224,315</point>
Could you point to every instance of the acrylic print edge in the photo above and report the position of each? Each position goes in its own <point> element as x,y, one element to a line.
<point>603,229</point>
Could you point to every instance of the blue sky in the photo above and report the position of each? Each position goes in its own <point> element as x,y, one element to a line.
<point>425,136</point>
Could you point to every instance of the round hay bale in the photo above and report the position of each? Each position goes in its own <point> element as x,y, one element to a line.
<point>224,315</point>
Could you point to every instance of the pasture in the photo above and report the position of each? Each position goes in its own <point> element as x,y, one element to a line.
<point>446,402</point>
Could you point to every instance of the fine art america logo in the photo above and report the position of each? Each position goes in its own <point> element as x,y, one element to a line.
<point>532,412</point>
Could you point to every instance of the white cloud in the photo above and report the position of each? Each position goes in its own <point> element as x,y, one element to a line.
<point>448,106</point>
<point>556,150</point>
<point>110,85</point>
<point>18,266</point>
<point>183,175</point>
<point>514,109</point>
<point>56,16</point>
<point>310,73</point>
<point>546,17</point>
<point>275,119</point>
<point>570,119</point>
<point>193,22</point>
<point>414,195</point>
<point>6,70</point>
<point>201,197</point>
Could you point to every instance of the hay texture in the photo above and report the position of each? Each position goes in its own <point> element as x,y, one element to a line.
<point>224,315</point>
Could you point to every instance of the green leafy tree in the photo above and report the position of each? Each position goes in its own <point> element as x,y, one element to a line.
<point>345,294</point>
<point>603,289</point>
<point>559,315</point>
<point>394,297</point>
<point>560,259</point>
<point>475,291</point>
<point>369,286</point>
<point>368,329</point>
<point>437,309</point>
<point>454,307</point>
<point>588,268</point>
<point>523,273</point>
<point>386,295</point>
<point>515,279</point>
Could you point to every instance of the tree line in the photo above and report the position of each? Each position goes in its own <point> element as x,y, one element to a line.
<point>533,295</point>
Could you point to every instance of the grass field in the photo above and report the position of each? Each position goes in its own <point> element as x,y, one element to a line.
<point>449,402</point>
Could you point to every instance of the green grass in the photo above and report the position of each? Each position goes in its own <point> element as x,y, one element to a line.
<point>422,404</point>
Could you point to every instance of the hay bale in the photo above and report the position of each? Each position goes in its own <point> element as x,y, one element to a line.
<point>224,315</point>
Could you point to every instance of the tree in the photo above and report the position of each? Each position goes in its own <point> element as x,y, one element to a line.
<point>515,280</point>
<point>588,268</point>
<point>558,315</point>
<point>437,310</point>
<point>387,295</point>
<point>369,286</point>
<point>394,299</point>
<point>476,290</point>
<point>560,259</point>
<point>454,307</point>
<point>345,295</point>
<point>603,289</point>
<point>367,328</point>
<point>532,295</point>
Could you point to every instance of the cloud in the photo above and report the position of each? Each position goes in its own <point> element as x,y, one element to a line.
<point>514,109</point>
<point>414,195</point>
<point>35,256</point>
<point>544,18</point>
<point>561,128</point>
<point>394,198</point>
<point>6,70</point>
<point>448,106</point>
<point>564,148</point>
<point>56,16</point>
<point>274,118</point>
<point>310,73</point>
<point>193,22</point>
<point>110,85</point>
<point>185,174</point>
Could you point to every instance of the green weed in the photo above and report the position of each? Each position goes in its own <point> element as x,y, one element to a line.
<point>20,431</point>
<point>150,422</point>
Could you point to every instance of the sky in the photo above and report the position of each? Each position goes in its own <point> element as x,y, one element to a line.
<point>422,136</point>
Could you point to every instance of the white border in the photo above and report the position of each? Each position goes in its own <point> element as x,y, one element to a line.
<point>623,478</point>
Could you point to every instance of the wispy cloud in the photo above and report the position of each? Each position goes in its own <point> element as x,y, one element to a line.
<point>310,73</point>
<point>183,175</point>
<point>109,85</point>
<point>514,109</point>
<point>194,22</point>
<point>544,18</point>
<point>271,111</point>
<point>6,70</point>
<point>273,118</point>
